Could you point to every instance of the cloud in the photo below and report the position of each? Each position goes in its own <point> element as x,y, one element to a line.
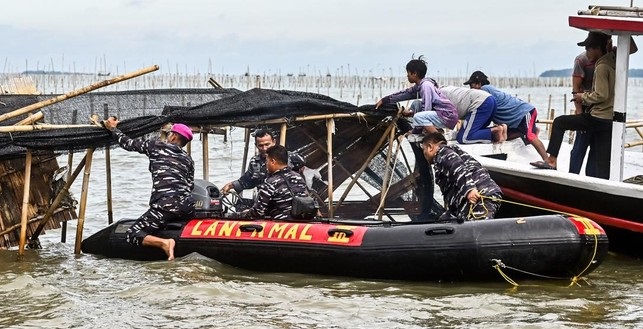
<point>512,37</point>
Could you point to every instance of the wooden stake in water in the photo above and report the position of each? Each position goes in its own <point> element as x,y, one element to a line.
<point>387,175</point>
<point>25,205</point>
<point>83,200</point>
<point>330,128</point>
<point>282,134</point>
<point>108,174</point>
<point>206,156</point>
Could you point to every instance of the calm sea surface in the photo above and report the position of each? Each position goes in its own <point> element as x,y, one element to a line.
<point>53,288</point>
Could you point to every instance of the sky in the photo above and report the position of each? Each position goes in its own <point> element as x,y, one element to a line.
<point>368,37</point>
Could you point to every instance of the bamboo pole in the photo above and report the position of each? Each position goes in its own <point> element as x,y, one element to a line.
<point>77,92</point>
<point>31,119</point>
<point>29,222</point>
<point>627,145</point>
<point>54,204</point>
<point>387,174</point>
<point>246,142</point>
<point>25,205</point>
<point>13,129</point>
<point>551,117</point>
<point>304,118</point>
<point>368,159</point>
<point>282,134</point>
<point>83,200</point>
<point>108,174</point>
<point>206,156</point>
<point>330,128</point>
<point>70,158</point>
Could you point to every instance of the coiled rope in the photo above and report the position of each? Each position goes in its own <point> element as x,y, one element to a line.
<point>499,265</point>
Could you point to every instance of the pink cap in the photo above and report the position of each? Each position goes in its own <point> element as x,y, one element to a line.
<point>182,130</point>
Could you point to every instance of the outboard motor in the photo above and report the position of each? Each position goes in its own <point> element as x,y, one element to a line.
<point>207,200</point>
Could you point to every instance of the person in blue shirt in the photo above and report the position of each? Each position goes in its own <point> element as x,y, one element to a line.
<point>434,111</point>
<point>518,115</point>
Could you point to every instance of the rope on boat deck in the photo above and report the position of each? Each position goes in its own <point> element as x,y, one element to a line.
<point>499,264</point>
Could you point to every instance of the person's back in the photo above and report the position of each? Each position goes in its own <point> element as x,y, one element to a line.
<point>464,99</point>
<point>476,109</point>
<point>602,97</point>
<point>467,188</point>
<point>275,195</point>
<point>455,173</point>
<point>509,109</point>
<point>172,172</point>
<point>172,183</point>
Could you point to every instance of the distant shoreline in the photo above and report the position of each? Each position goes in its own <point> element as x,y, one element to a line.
<point>632,73</point>
<point>43,72</point>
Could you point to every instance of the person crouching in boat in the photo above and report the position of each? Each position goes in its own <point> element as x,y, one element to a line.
<point>468,190</point>
<point>434,111</point>
<point>476,108</point>
<point>172,183</point>
<point>518,115</point>
<point>275,195</point>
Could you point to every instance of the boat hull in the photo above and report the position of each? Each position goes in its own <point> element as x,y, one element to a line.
<point>615,206</point>
<point>549,246</point>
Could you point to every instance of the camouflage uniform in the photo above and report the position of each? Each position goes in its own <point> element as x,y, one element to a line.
<point>172,183</point>
<point>257,172</point>
<point>275,198</point>
<point>457,173</point>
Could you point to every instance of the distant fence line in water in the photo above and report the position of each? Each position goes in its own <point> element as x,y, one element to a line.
<point>322,84</point>
<point>354,89</point>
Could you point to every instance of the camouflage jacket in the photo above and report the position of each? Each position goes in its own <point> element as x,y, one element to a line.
<point>172,172</point>
<point>257,172</point>
<point>275,197</point>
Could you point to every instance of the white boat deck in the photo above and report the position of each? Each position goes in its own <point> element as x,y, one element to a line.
<point>520,155</point>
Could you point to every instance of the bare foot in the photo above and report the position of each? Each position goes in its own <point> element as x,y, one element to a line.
<point>496,134</point>
<point>168,247</point>
<point>504,133</point>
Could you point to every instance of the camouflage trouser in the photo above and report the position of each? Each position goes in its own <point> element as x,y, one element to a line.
<point>148,223</point>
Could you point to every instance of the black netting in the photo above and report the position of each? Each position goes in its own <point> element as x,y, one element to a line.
<point>228,108</point>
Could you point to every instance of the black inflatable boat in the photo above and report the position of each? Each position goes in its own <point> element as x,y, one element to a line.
<point>552,246</point>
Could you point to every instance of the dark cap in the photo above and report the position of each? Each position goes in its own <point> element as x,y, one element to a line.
<point>477,76</point>
<point>595,40</point>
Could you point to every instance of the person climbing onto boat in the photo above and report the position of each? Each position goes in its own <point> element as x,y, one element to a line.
<point>475,108</point>
<point>467,188</point>
<point>598,121</point>
<point>256,172</point>
<point>172,183</point>
<point>434,110</point>
<point>518,115</point>
<point>275,196</point>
